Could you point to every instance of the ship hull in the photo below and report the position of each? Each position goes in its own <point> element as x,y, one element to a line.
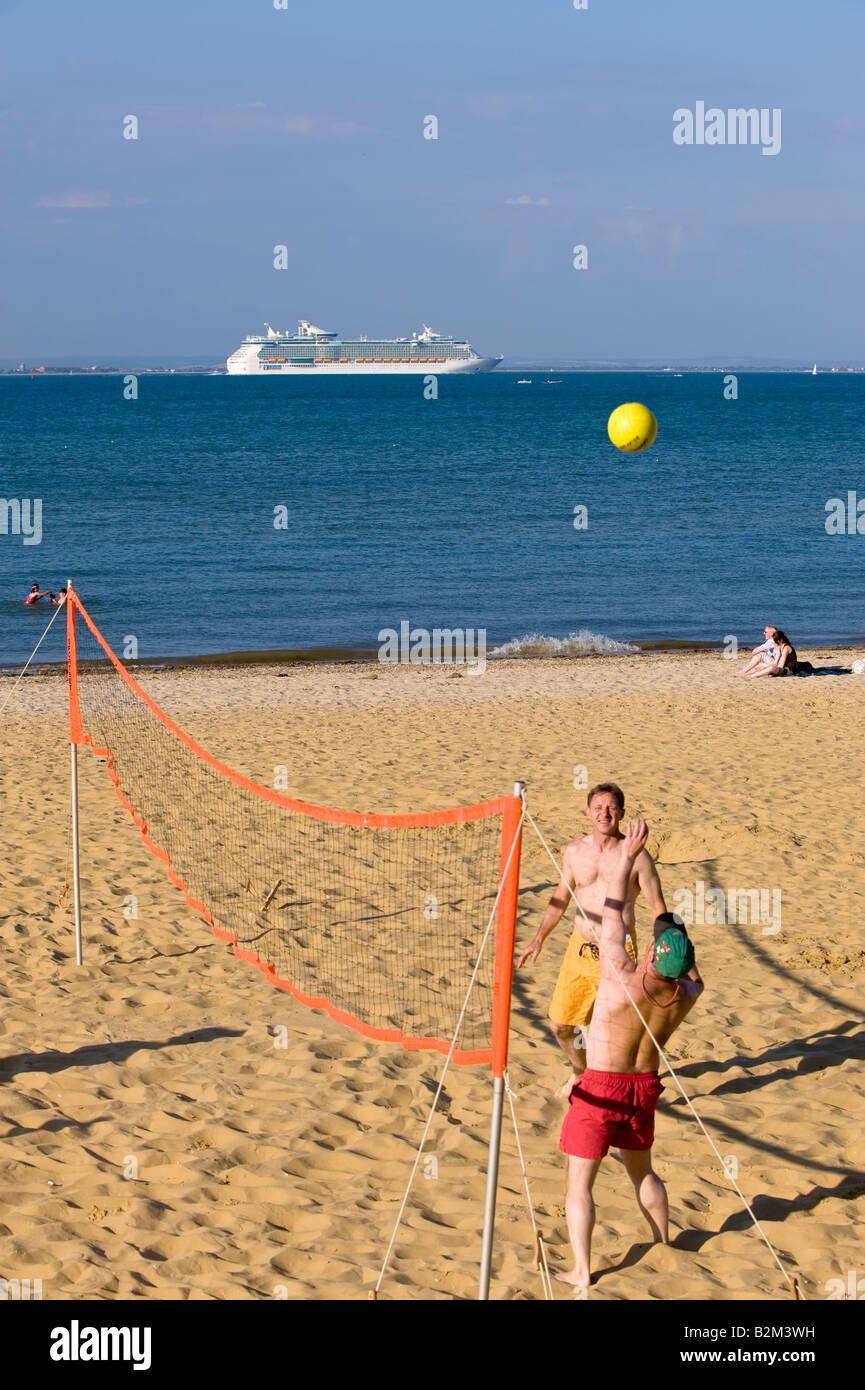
<point>251,366</point>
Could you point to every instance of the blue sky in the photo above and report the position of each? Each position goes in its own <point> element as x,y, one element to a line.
<point>304,127</point>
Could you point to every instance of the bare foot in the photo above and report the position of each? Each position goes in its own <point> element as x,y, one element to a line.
<point>563,1092</point>
<point>579,1278</point>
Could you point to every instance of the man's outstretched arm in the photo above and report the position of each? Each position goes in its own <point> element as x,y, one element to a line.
<point>557,905</point>
<point>650,883</point>
<point>618,864</point>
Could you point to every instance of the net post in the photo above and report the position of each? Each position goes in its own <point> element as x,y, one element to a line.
<point>75,735</point>
<point>506,923</point>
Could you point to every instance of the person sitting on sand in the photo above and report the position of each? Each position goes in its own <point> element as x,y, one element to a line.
<point>577,985</point>
<point>612,1105</point>
<point>785,662</point>
<point>765,654</point>
<point>36,594</point>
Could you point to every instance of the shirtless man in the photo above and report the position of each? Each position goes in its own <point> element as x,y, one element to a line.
<point>574,995</point>
<point>613,1103</point>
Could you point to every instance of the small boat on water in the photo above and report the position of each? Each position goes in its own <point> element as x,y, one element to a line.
<point>524,381</point>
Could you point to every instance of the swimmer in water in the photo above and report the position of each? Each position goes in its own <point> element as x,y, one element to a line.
<point>36,594</point>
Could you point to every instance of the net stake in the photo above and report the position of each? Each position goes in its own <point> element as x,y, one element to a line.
<point>271,894</point>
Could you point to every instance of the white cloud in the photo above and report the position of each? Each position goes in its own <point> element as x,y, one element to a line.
<point>297,125</point>
<point>624,231</point>
<point>524,201</point>
<point>498,106</point>
<point>257,118</point>
<point>75,200</point>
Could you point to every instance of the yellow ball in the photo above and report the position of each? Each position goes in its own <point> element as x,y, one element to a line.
<point>632,427</point>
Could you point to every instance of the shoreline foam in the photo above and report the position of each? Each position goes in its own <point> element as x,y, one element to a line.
<point>324,658</point>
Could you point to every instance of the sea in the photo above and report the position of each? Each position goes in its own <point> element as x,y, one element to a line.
<point>214,515</point>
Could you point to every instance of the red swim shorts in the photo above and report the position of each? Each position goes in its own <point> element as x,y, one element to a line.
<point>610,1110</point>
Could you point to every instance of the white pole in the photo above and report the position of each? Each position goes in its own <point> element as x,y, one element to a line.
<point>492,1185</point>
<point>493,1163</point>
<point>76,880</point>
<point>76,883</point>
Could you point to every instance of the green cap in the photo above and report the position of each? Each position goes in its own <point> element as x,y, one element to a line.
<point>673,955</point>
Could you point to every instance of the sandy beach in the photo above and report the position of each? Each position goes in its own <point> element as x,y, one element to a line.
<point>155,1143</point>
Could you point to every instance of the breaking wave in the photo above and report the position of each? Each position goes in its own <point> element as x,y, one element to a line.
<point>582,643</point>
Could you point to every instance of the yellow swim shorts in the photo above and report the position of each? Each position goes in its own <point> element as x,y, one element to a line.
<point>577,986</point>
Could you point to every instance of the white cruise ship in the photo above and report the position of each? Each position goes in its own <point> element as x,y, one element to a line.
<point>313,349</point>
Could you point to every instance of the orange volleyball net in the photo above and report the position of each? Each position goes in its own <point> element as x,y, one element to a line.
<point>401,927</point>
